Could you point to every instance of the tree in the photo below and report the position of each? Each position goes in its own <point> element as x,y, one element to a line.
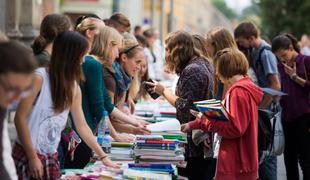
<point>284,16</point>
<point>222,6</point>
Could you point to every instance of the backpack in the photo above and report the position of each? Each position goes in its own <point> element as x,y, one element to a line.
<point>270,132</point>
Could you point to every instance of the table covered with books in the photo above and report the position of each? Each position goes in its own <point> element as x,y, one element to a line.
<point>154,156</point>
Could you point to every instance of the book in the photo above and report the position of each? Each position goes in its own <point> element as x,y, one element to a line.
<point>213,110</point>
<point>169,125</point>
<point>165,141</point>
<point>208,102</point>
<point>273,92</point>
<point>149,137</point>
<point>145,175</point>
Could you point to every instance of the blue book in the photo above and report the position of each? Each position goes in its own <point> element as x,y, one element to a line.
<point>214,111</point>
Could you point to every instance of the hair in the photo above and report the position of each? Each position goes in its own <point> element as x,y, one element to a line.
<point>82,18</point>
<point>130,46</point>
<point>200,43</point>
<point>51,26</point>
<point>231,62</point>
<point>182,50</point>
<point>137,28</point>
<point>16,58</point>
<point>3,37</point>
<point>284,41</point>
<point>141,40</point>
<point>220,38</point>
<point>246,30</point>
<point>100,46</point>
<point>65,67</point>
<point>88,23</point>
<point>119,19</point>
<point>149,33</point>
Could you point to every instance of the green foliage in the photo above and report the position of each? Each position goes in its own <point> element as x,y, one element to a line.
<point>285,16</point>
<point>227,11</point>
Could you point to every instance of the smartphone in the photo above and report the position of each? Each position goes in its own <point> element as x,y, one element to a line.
<point>154,95</point>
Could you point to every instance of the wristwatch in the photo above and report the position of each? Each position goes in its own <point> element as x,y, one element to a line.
<point>294,76</point>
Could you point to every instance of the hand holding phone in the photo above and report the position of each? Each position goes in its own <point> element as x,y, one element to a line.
<point>147,87</point>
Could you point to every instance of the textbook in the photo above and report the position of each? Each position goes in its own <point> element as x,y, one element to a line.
<point>213,109</point>
<point>273,92</point>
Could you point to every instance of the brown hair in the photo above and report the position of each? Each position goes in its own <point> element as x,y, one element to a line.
<point>51,26</point>
<point>231,62</point>
<point>284,41</point>
<point>246,30</point>
<point>16,58</point>
<point>65,67</point>
<point>181,47</point>
<point>119,19</point>
<point>88,23</point>
<point>220,38</point>
<point>200,44</point>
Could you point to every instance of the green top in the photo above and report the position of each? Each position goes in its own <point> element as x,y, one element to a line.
<point>43,58</point>
<point>95,97</point>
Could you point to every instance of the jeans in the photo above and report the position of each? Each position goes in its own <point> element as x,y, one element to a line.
<point>297,147</point>
<point>268,168</point>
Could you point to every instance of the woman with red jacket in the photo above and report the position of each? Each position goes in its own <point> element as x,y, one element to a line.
<point>238,153</point>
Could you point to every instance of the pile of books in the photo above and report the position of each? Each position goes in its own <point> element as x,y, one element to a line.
<point>149,171</point>
<point>154,148</point>
<point>121,151</point>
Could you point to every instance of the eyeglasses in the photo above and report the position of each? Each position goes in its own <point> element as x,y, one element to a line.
<point>14,91</point>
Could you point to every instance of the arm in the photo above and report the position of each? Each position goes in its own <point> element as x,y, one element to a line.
<point>84,130</point>
<point>238,123</point>
<point>22,113</point>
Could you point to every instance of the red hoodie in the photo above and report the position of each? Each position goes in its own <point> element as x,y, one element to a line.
<point>238,153</point>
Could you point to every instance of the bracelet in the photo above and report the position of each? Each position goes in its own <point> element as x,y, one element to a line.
<point>103,157</point>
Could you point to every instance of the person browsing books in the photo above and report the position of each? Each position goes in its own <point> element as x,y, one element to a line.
<point>195,84</point>
<point>238,153</point>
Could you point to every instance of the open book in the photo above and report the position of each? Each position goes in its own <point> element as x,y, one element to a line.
<point>212,109</point>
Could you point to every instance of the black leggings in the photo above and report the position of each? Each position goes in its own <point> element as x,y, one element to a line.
<point>297,147</point>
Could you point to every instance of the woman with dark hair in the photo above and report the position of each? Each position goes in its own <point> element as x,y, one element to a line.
<point>41,117</point>
<point>294,71</point>
<point>195,84</point>
<point>51,26</point>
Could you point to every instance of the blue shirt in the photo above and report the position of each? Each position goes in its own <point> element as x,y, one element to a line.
<point>267,66</point>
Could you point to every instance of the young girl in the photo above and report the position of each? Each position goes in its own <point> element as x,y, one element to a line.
<point>41,117</point>
<point>238,153</point>
<point>294,71</point>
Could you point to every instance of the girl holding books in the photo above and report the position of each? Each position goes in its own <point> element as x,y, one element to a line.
<point>294,69</point>
<point>238,153</point>
<point>41,117</point>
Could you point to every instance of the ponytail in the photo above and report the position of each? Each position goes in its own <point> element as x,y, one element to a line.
<point>284,41</point>
<point>39,44</point>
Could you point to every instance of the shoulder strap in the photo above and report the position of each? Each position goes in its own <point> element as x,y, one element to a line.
<point>259,59</point>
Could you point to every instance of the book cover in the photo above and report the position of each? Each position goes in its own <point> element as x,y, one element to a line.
<point>214,112</point>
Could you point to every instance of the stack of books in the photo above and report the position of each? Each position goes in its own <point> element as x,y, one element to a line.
<point>121,151</point>
<point>213,109</point>
<point>149,171</point>
<point>154,148</point>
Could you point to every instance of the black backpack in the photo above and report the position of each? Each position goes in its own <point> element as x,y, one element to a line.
<point>265,129</point>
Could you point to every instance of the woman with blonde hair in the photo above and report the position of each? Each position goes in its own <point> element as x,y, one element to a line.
<point>119,78</point>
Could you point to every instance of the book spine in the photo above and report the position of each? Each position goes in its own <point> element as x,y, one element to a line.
<point>149,141</point>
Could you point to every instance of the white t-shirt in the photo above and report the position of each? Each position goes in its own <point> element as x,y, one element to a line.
<point>44,124</point>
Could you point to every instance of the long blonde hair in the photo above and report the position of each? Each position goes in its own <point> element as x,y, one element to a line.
<point>88,23</point>
<point>102,40</point>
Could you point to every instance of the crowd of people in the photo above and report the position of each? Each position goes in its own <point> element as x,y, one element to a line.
<point>75,72</point>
